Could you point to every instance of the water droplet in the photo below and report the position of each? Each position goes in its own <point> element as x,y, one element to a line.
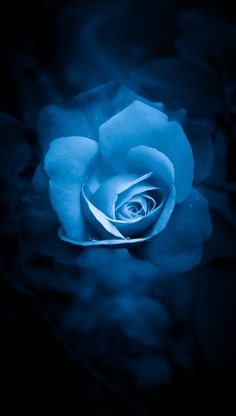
<point>191,205</point>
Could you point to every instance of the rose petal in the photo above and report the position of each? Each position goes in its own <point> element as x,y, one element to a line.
<point>102,102</point>
<point>134,190</point>
<point>143,158</point>
<point>108,227</point>
<point>203,152</point>
<point>84,115</point>
<point>129,128</point>
<point>106,195</point>
<point>67,163</point>
<point>143,201</point>
<point>135,226</point>
<point>57,121</point>
<point>179,246</point>
<point>199,137</point>
<point>101,223</point>
<point>174,144</point>
<point>97,176</point>
<point>111,243</point>
<point>140,124</point>
<point>139,207</point>
<point>165,215</point>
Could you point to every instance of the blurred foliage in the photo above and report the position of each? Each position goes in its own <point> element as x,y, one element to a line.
<point>181,53</point>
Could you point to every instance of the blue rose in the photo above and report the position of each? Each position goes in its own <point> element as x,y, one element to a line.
<point>118,171</point>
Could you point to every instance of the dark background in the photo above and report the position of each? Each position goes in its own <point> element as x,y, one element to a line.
<point>37,42</point>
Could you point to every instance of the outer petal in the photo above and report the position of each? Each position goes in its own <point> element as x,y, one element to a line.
<point>199,134</point>
<point>165,215</point>
<point>141,124</point>
<point>111,243</point>
<point>179,246</point>
<point>103,102</point>
<point>84,115</point>
<point>67,163</point>
<point>202,148</point>
<point>57,121</point>
<point>129,128</point>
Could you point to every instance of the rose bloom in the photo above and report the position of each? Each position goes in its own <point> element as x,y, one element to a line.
<point>117,171</point>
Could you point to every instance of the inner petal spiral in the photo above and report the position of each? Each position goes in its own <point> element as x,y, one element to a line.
<point>138,206</point>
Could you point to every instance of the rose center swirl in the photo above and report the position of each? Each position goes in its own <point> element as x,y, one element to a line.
<point>124,205</point>
<point>137,206</point>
